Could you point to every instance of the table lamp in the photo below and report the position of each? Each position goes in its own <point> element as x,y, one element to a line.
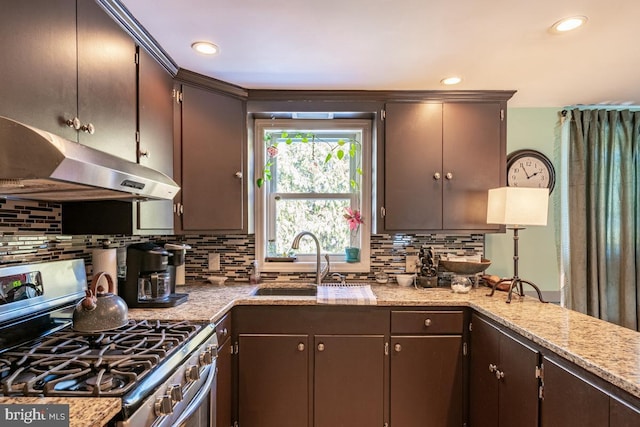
<point>515,207</point>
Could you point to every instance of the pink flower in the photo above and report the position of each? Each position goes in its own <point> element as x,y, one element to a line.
<point>272,151</point>
<point>353,217</point>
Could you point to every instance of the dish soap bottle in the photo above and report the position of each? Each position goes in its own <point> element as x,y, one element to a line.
<point>254,274</point>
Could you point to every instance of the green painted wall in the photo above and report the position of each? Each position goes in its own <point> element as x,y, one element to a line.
<point>533,128</point>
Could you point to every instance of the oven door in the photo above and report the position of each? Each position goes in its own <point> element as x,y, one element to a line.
<point>198,409</point>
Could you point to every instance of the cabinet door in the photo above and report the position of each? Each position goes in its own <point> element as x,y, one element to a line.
<point>38,65</point>
<point>426,381</point>
<point>413,155</point>
<point>623,415</point>
<point>212,173</point>
<point>484,388</point>
<point>106,82</point>
<point>155,110</point>
<point>518,395</point>
<point>349,381</point>
<point>273,380</point>
<point>223,390</point>
<point>474,162</point>
<point>570,401</point>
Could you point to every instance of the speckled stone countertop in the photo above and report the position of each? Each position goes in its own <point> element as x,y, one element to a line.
<point>609,351</point>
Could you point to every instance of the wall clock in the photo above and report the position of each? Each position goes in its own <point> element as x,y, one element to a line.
<point>530,168</point>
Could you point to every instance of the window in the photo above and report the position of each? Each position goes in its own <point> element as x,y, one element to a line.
<point>309,174</point>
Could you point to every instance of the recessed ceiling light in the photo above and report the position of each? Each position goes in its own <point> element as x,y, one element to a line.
<point>206,48</point>
<point>568,24</point>
<point>451,80</point>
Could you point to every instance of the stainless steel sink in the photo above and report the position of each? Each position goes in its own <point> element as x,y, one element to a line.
<point>286,291</point>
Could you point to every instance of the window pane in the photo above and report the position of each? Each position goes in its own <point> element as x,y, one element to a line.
<point>301,168</point>
<point>324,218</point>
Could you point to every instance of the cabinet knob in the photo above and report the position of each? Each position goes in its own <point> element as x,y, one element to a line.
<point>300,346</point>
<point>75,123</point>
<point>436,176</point>
<point>427,322</point>
<point>88,128</point>
<point>144,153</point>
<point>224,332</point>
<point>238,175</point>
<point>321,347</point>
<point>397,348</point>
<point>492,367</point>
<point>499,374</point>
<point>449,175</point>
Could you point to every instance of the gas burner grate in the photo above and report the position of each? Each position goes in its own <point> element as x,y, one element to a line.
<point>70,363</point>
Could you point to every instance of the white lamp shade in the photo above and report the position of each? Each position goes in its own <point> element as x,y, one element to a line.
<point>518,206</point>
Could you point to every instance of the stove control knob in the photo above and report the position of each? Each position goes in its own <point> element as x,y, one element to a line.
<point>192,373</point>
<point>206,358</point>
<point>175,391</point>
<point>163,406</point>
<point>213,348</point>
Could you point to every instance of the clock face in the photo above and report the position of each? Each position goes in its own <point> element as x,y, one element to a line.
<point>530,170</point>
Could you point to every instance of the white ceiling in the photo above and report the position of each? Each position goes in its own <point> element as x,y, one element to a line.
<point>409,45</point>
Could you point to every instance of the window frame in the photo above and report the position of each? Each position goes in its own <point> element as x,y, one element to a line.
<point>307,263</point>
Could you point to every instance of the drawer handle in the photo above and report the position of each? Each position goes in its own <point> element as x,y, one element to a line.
<point>320,347</point>
<point>499,374</point>
<point>300,347</point>
<point>492,367</point>
<point>224,332</point>
<point>427,323</point>
<point>397,348</point>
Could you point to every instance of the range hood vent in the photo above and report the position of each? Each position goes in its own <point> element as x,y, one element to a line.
<point>39,165</point>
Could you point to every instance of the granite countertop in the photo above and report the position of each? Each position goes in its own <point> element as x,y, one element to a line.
<point>609,351</point>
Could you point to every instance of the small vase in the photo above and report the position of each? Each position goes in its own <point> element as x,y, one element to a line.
<point>352,254</point>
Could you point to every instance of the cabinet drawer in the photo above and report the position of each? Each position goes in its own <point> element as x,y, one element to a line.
<point>223,329</point>
<point>427,322</point>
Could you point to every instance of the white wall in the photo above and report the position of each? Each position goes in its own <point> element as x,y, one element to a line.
<point>533,128</point>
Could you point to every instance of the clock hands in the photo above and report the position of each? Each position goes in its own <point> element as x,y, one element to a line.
<point>525,172</point>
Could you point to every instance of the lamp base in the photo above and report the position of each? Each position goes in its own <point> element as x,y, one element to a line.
<point>516,283</point>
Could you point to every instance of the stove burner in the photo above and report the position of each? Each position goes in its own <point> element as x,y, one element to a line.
<point>69,363</point>
<point>106,381</point>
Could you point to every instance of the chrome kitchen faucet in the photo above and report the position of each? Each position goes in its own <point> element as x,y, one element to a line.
<point>320,273</point>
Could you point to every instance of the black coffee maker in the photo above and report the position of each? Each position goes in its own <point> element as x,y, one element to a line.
<point>149,282</point>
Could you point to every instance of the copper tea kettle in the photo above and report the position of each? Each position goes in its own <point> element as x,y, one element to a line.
<point>100,311</point>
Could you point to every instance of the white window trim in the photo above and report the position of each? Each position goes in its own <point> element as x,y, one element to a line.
<point>337,263</point>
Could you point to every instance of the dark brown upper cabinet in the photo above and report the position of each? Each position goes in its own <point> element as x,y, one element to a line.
<point>154,149</point>
<point>69,69</point>
<point>440,159</point>
<point>209,158</point>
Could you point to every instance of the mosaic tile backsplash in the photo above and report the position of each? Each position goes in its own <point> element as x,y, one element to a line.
<point>31,232</point>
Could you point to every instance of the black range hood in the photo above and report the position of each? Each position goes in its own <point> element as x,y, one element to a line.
<point>38,165</point>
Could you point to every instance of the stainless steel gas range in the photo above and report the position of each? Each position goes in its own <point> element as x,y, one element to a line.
<point>164,371</point>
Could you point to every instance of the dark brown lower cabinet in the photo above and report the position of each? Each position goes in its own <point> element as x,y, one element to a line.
<point>426,381</point>
<point>623,415</point>
<point>503,381</point>
<point>224,390</point>
<point>273,380</point>
<point>349,380</point>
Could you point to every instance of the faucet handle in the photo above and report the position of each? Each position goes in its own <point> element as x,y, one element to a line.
<point>339,277</point>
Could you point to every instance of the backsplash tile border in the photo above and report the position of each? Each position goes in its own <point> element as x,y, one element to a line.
<point>30,232</point>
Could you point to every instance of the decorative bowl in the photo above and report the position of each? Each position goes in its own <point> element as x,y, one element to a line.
<point>465,267</point>
<point>405,279</point>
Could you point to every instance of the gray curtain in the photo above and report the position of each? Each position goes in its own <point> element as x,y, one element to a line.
<point>603,200</point>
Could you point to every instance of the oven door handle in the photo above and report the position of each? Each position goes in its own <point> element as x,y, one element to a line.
<point>202,394</point>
